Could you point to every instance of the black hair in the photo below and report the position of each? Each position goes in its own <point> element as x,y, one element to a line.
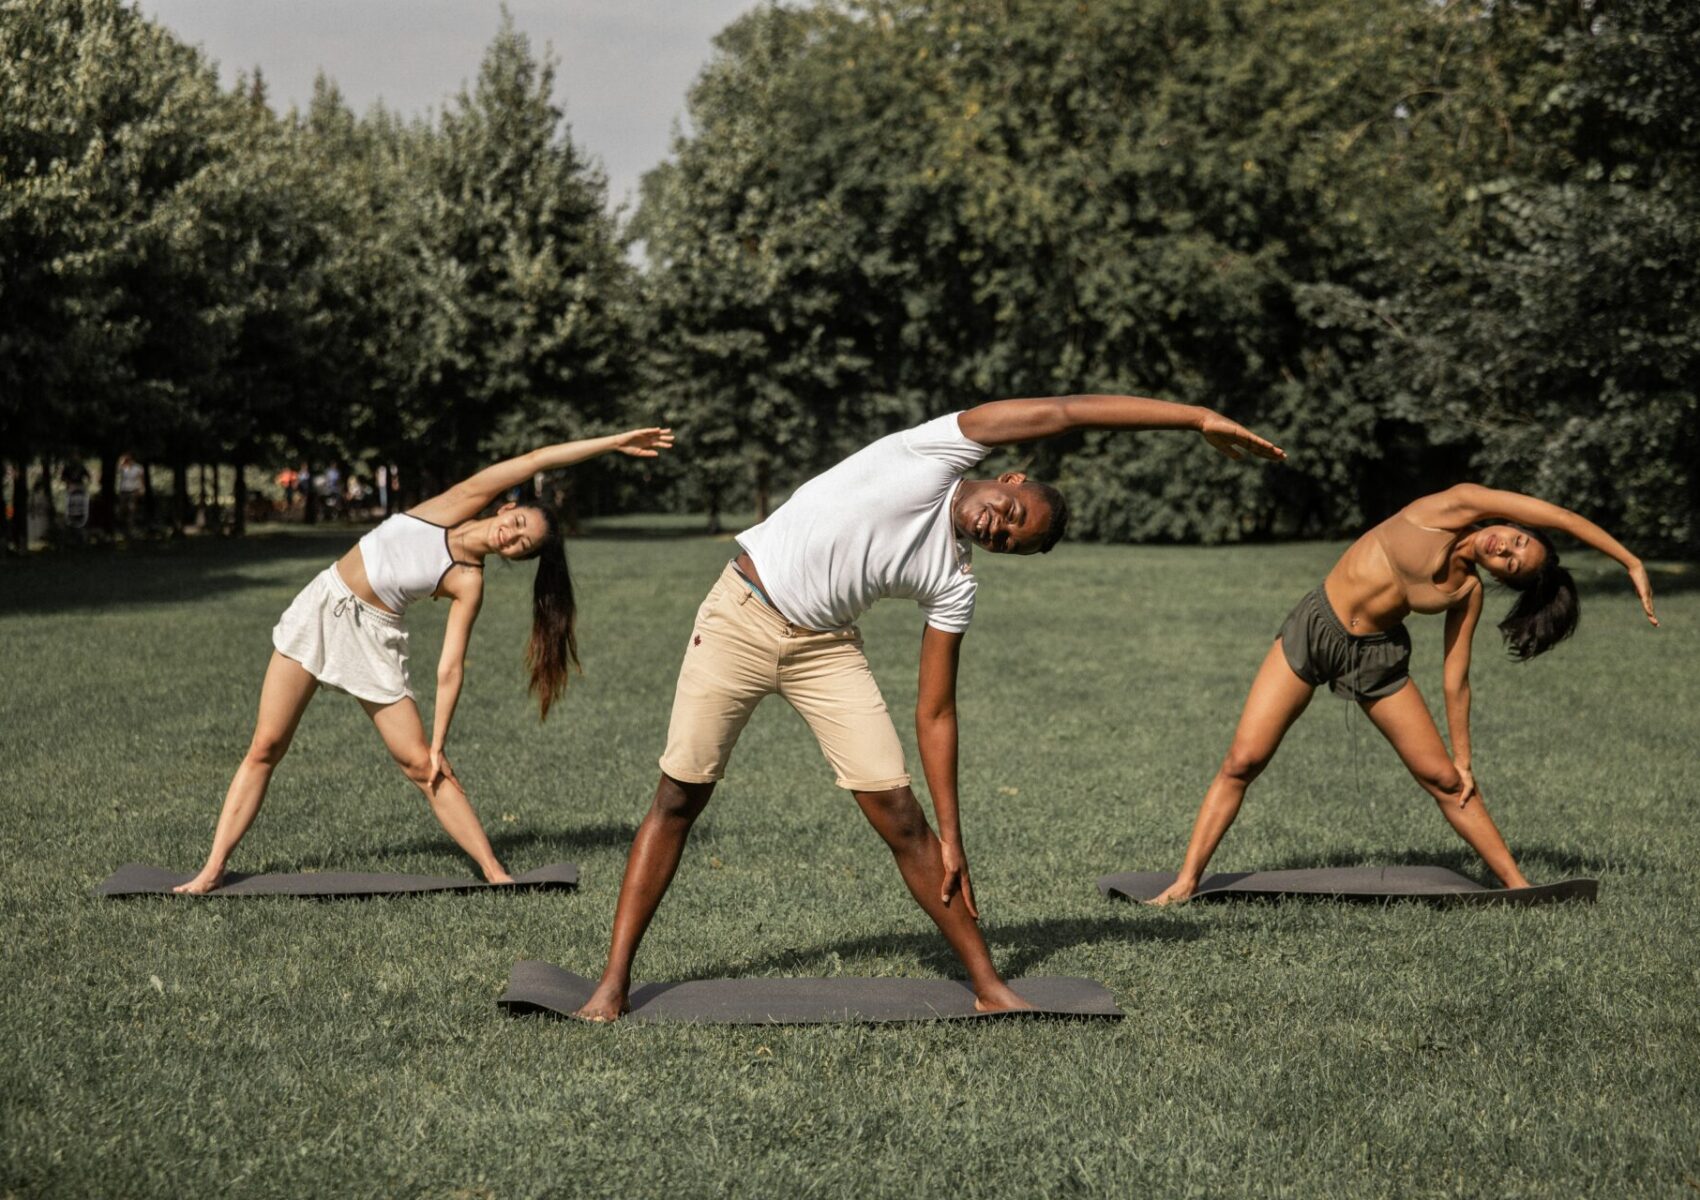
<point>1058,504</point>
<point>1547,608</point>
<point>552,652</point>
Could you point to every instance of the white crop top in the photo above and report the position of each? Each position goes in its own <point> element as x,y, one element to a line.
<point>406,558</point>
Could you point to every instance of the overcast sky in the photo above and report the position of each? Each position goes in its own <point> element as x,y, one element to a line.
<point>624,64</point>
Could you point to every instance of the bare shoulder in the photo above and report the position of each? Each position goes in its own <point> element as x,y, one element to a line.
<point>448,508</point>
<point>1454,508</point>
<point>464,585</point>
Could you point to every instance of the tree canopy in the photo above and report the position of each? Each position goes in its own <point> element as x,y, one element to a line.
<point>1413,242</point>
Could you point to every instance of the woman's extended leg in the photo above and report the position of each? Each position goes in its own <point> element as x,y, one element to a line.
<point>283,698</point>
<point>1405,720</point>
<point>399,725</point>
<point>1277,698</point>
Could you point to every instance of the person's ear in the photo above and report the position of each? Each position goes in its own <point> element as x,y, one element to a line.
<point>506,507</point>
<point>1016,477</point>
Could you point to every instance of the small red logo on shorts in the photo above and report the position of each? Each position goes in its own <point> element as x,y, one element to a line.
<point>697,640</point>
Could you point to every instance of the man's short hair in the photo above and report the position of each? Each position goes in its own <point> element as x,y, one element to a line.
<point>1059,514</point>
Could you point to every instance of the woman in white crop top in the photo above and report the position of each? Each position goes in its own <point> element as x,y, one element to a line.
<point>344,631</point>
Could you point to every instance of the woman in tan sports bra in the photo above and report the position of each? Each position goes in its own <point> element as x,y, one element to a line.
<point>344,631</point>
<point>1350,633</point>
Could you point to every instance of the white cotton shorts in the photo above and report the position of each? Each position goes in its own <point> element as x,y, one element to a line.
<point>344,642</point>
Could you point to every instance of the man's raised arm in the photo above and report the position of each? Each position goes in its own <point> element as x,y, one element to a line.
<point>1001,422</point>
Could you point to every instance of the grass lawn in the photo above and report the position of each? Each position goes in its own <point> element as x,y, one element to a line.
<point>292,1048</point>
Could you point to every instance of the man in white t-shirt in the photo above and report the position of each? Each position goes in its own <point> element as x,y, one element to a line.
<point>894,519</point>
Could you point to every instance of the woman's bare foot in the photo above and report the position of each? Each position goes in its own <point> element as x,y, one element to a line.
<point>998,997</point>
<point>605,1004</point>
<point>497,875</point>
<point>200,885</point>
<point>1175,893</point>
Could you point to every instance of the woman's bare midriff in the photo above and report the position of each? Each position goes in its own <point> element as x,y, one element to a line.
<point>352,568</point>
<point>1363,589</point>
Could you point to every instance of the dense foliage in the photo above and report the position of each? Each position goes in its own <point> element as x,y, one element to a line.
<point>188,276</point>
<point>1412,241</point>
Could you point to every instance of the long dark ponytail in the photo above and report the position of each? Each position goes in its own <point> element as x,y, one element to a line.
<point>552,652</point>
<point>1547,608</point>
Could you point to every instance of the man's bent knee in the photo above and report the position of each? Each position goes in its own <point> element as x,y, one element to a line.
<point>676,800</point>
<point>895,813</point>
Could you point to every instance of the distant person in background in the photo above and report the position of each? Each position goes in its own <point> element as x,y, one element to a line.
<point>344,631</point>
<point>331,490</point>
<point>132,481</point>
<point>897,518</point>
<point>40,520</point>
<point>75,476</point>
<point>1349,633</point>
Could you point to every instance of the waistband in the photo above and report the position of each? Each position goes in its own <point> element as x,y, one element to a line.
<point>746,592</point>
<point>346,593</point>
<point>1333,619</point>
<point>752,585</point>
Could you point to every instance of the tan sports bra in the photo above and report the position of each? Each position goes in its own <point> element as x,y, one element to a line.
<point>1416,554</point>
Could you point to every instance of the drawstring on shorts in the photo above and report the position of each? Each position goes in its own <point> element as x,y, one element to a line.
<point>349,602</point>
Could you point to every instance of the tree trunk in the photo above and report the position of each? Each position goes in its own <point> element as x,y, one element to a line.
<point>52,507</point>
<point>19,531</point>
<point>714,510</point>
<point>762,471</point>
<point>180,496</point>
<point>105,516</point>
<point>311,513</point>
<point>147,497</point>
<point>239,497</point>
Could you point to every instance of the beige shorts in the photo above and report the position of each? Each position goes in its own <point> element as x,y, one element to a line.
<point>740,651</point>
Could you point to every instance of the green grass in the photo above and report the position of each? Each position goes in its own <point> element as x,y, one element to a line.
<point>295,1048</point>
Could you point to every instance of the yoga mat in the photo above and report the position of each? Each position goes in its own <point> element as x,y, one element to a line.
<point>538,987</point>
<point>1431,885</point>
<point>136,879</point>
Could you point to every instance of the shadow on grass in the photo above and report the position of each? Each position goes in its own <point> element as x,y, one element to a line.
<point>1016,948</point>
<point>1531,858</point>
<point>98,578</point>
<point>519,850</point>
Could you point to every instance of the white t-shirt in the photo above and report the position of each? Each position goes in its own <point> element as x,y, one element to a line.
<point>878,524</point>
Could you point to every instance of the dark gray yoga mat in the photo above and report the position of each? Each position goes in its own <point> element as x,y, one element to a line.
<point>135,879</point>
<point>1431,885</point>
<point>538,987</point>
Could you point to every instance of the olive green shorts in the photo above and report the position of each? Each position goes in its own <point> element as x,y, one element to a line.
<point>1363,666</point>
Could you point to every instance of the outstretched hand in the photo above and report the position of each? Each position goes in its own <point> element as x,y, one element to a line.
<point>1235,440</point>
<point>1643,589</point>
<point>644,443</point>
<point>956,879</point>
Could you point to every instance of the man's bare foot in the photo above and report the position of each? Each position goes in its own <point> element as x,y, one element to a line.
<point>1176,893</point>
<point>201,884</point>
<point>605,1004</point>
<point>998,997</point>
<point>498,875</point>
